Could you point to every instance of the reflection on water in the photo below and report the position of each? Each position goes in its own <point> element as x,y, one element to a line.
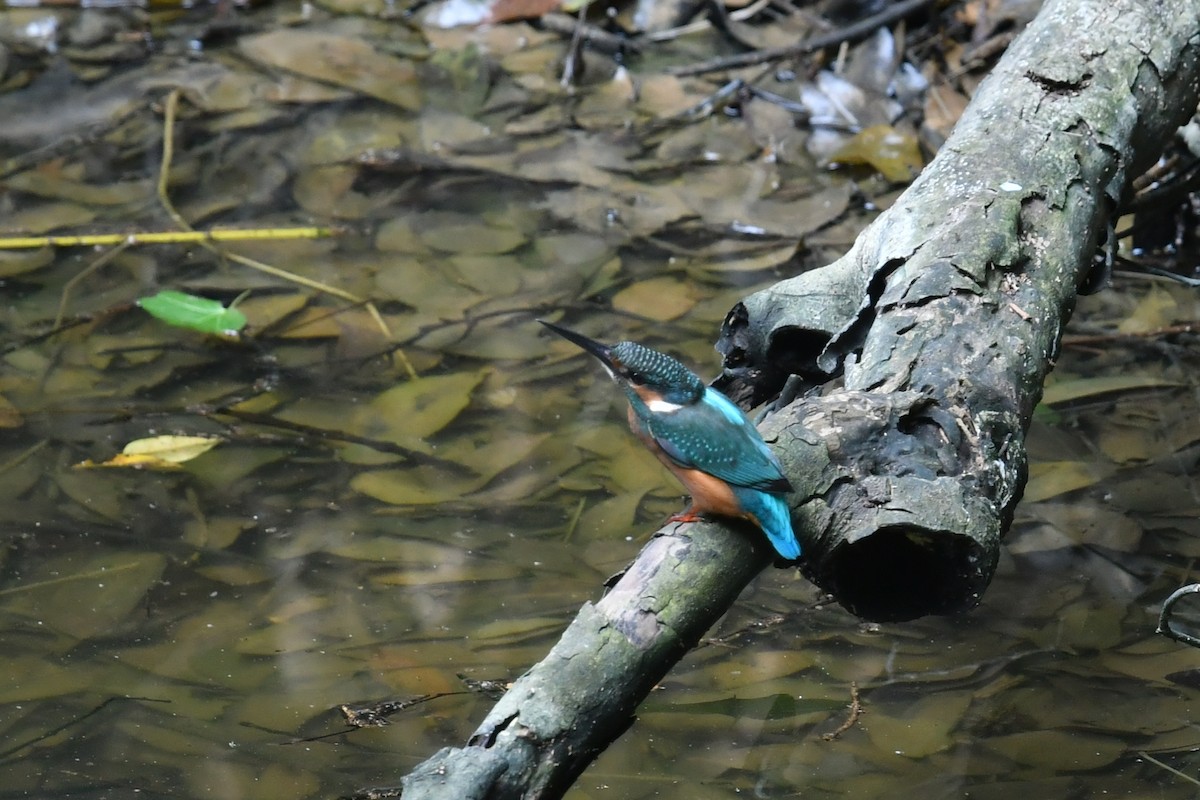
<point>360,536</point>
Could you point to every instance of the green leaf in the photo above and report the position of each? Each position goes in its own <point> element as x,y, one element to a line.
<point>197,313</point>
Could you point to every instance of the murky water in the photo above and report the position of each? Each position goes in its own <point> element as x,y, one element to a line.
<point>360,535</point>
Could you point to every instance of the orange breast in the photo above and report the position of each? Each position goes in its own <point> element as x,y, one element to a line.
<point>709,495</point>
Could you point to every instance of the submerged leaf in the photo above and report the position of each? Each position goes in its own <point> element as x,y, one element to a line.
<point>895,155</point>
<point>1066,391</point>
<point>85,596</point>
<point>175,449</point>
<point>339,60</point>
<point>99,496</point>
<point>18,262</point>
<point>1056,749</point>
<point>508,631</point>
<point>416,408</point>
<point>919,729</point>
<point>490,453</point>
<point>425,485</point>
<point>25,677</point>
<point>132,462</point>
<point>1050,479</point>
<point>613,515</point>
<point>198,313</point>
<point>46,217</point>
<point>224,467</point>
<point>10,415</point>
<point>464,235</point>
<point>267,310</point>
<point>1156,310</point>
<point>662,298</point>
<point>449,573</point>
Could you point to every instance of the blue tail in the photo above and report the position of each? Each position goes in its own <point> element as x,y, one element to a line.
<point>771,513</point>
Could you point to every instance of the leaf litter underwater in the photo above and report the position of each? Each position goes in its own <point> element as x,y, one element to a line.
<point>360,535</point>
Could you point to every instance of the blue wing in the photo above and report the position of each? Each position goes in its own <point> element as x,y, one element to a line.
<point>716,437</point>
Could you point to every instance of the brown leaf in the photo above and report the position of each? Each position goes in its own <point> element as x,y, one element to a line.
<point>338,60</point>
<point>507,10</point>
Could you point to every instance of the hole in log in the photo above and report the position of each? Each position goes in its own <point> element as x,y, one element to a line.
<point>901,573</point>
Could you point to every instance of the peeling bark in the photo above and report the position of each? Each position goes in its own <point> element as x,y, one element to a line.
<point>942,321</point>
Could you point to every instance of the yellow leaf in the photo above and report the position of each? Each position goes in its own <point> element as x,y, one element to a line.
<point>139,461</point>
<point>133,462</point>
<point>1156,310</point>
<point>1051,478</point>
<point>172,449</point>
<point>1073,389</point>
<point>894,154</point>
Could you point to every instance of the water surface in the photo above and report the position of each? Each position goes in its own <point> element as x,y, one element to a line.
<point>362,535</point>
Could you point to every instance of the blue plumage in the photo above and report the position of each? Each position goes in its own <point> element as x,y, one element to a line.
<point>701,436</point>
<point>714,436</point>
<point>771,513</point>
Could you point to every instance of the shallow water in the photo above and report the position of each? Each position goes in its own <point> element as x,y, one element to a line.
<point>359,535</point>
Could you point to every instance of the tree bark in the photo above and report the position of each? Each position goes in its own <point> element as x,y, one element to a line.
<point>943,320</point>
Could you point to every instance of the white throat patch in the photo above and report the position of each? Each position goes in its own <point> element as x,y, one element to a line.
<point>663,407</point>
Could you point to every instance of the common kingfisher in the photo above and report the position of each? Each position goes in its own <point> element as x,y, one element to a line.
<point>701,436</point>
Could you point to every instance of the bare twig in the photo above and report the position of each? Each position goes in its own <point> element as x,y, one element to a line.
<point>1080,340</point>
<point>592,36</point>
<point>856,711</point>
<point>852,33</point>
<point>1164,617</point>
<point>1167,767</point>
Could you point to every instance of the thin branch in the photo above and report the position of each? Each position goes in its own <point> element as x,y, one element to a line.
<point>853,33</point>
<point>856,711</point>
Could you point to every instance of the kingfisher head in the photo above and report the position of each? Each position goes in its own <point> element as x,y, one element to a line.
<point>653,376</point>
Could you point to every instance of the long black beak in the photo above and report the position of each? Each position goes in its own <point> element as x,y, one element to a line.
<point>600,351</point>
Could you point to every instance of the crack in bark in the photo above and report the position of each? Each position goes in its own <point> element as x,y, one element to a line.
<point>489,740</point>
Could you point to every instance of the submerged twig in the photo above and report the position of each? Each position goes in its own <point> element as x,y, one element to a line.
<point>851,33</point>
<point>856,711</point>
<point>738,15</point>
<point>74,721</point>
<point>376,715</point>
<point>326,434</point>
<point>573,60</point>
<point>1156,762</point>
<point>592,36</point>
<point>1084,339</point>
<point>1164,617</point>
<point>71,142</point>
<point>70,285</point>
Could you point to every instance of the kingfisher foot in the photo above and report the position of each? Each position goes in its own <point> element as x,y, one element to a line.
<point>687,515</point>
